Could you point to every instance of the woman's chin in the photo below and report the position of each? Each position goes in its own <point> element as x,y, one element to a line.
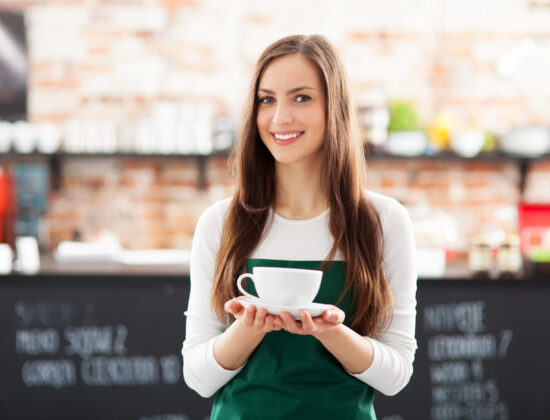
<point>287,159</point>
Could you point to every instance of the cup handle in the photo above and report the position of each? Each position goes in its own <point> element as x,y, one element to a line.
<point>241,288</point>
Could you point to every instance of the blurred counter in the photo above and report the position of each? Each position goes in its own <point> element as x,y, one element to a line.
<point>49,266</point>
<point>457,270</point>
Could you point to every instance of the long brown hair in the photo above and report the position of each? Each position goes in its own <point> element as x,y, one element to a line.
<point>354,223</point>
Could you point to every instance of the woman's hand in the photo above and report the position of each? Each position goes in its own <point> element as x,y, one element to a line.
<point>258,320</point>
<point>329,319</point>
<point>234,346</point>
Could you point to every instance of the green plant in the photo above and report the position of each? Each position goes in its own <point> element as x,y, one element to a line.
<point>403,117</point>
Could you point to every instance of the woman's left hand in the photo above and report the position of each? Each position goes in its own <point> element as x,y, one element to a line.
<point>307,325</point>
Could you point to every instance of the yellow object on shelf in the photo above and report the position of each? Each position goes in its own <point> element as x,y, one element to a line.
<point>441,129</point>
<point>490,142</point>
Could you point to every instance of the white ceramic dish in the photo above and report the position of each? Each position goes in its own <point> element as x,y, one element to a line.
<point>529,141</point>
<point>468,143</point>
<point>315,309</point>
<point>406,143</point>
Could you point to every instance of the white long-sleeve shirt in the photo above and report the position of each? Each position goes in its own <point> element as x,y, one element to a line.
<point>294,240</point>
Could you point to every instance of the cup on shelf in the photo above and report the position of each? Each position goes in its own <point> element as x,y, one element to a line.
<point>146,139</point>
<point>49,138</point>
<point>5,136</point>
<point>6,256</point>
<point>24,137</point>
<point>407,143</point>
<point>467,143</point>
<point>108,136</point>
<point>74,136</point>
<point>28,255</point>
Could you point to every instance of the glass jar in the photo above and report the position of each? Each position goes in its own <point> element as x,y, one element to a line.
<point>509,261</point>
<point>480,259</point>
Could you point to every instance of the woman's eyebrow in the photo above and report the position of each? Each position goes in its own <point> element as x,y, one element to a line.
<point>293,90</point>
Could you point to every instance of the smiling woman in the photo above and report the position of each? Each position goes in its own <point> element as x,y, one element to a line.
<point>301,203</point>
<point>291,112</point>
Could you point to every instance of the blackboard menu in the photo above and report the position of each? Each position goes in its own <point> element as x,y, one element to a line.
<point>481,353</point>
<point>90,347</point>
<point>94,348</point>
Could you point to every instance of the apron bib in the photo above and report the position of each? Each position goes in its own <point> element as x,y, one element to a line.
<point>292,376</point>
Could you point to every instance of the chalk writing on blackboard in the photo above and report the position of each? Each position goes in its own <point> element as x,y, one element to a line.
<point>458,346</point>
<point>90,355</point>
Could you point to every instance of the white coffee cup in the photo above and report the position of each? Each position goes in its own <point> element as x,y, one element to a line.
<point>283,286</point>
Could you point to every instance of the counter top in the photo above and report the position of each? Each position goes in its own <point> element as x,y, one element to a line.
<point>50,267</point>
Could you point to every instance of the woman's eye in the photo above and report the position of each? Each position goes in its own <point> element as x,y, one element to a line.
<point>302,98</point>
<point>265,100</point>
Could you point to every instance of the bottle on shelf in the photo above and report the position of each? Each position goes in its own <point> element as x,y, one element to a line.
<point>509,260</point>
<point>480,258</point>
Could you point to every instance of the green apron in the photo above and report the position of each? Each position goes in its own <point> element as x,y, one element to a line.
<point>292,376</point>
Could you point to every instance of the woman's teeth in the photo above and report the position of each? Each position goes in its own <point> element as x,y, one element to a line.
<point>287,136</point>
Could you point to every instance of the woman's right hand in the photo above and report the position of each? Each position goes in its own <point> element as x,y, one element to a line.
<point>234,346</point>
<point>256,320</point>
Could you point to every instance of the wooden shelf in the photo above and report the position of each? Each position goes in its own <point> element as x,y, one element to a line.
<point>522,162</point>
<point>493,156</point>
<point>125,155</point>
<point>54,159</point>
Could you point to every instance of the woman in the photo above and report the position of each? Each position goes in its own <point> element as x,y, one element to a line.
<point>301,202</point>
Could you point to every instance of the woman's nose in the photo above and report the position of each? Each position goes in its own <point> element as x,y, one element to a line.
<point>283,114</point>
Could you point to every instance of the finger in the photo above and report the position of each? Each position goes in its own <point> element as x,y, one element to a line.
<point>307,323</point>
<point>233,306</point>
<point>329,315</point>
<point>259,319</point>
<point>289,322</point>
<point>227,306</point>
<point>334,316</point>
<point>248,316</point>
<point>278,323</point>
<point>268,325</point>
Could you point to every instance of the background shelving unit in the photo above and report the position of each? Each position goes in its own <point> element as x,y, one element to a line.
<point>54,160</point>
<point>523,162</point>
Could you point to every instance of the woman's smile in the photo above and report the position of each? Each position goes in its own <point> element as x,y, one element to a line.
<point>283,138</point>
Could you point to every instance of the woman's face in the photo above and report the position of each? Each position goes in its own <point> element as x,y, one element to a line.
<point>291,109</point>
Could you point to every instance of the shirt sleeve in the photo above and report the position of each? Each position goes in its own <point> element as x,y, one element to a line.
<point>201,371</point>
<point>394,348</point>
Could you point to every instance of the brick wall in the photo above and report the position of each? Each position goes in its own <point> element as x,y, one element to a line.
<point>147,203</point>
<point>451,201</point>
<point>155,203</point>
<point>115,60</point>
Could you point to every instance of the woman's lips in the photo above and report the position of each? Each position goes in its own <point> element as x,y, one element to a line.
<point>283,139</point>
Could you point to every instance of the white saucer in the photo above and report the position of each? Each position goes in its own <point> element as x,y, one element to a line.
<point>314,309</point>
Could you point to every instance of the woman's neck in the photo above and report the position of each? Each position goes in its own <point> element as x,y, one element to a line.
<point>299,193</point>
